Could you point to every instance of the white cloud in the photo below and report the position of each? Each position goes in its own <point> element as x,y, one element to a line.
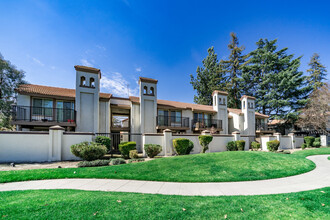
<point>101,47</point>
<point>117,85</point>
<point>85,62</point>
<point>35,60</point>
<point>138,69</point>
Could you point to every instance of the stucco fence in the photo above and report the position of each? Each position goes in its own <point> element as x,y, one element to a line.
<point>16,146</point>
<point>286,141</point>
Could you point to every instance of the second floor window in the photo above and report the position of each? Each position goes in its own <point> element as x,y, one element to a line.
<point>42,107</point>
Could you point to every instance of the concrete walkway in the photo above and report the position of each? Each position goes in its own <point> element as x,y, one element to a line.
<point>317,178</point>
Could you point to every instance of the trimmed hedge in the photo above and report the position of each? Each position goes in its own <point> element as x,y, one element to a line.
<point>103,140</point>
<point>133,154</point>
<point>152,149</point>
<point>240,144</point>
<point>204,141</point>
<point>94,163</point>
<point>309,141</point>
<point>303,146</point>
<point>231,146</point>
<point>316,144</point>
<point>182,146</point>
<point>117,161</point>
<point>255,145</point>
<point>273,145</point>
<point>88,150</point>
<point>125,147</point>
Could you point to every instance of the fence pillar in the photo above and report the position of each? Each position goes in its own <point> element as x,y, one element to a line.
<point>324,140</point>
<point>293,140</point>
<point>278,137</point>
<point>55,143</point>
<point>168,143</point>
<point>124,136</point>
<point>237,135</point>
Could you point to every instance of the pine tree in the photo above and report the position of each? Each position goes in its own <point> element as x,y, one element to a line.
<point>209,78</point>
<point>317,72</point>
<point>233,71</point>
<point>272,76</point>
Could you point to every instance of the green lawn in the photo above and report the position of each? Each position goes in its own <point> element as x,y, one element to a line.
<point>315,151</point>
<point>212,167</point>
<point>75,204</point>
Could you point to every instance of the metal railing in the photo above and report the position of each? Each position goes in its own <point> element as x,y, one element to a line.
<point>32,113</point>
<point>206,123</point>
<point>172,121</point>
<point>262,126</point>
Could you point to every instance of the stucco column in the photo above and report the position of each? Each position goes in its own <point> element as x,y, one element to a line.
<point>278,137</point>
<point>124,136</point>
<point>237,135</point>
<point>293,140</point>
<point>55,143</point>
<point>168,142</point>
<point>324,140</point>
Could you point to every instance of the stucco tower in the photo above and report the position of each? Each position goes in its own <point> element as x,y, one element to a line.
<point>148,104</point>
<point>220,105</point>
<point>87,98</point>
<point>248,105</point>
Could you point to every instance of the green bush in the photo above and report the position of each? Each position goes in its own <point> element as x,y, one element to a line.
<point>152,149</point>
<point>89,151</point>
<point>255,145</point>
<point>316,144</point>
<point>309,141</point>
<point>133,154</point>
<point>135,160</point>
<point>125,147</point>
<point>93,163</point>
<point>204,141</point>
<point>117,161</point>
<point>273,145</point>
<point>303,146</point>
<point>103,140</point>
<point>231,146</point>
<point>240,144</point>
<point>318,139</point>
<point>182,146</point>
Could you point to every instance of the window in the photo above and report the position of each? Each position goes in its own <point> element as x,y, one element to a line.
<point>176,116</point>
<point>82,81</point>
<point>162,117</point>
<point>92,82</point>
<point>64,111</point>
<point>145,90</point>
<point>42,107</point>
<point>151,91</point>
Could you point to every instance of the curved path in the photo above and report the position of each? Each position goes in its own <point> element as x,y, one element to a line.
<point>317,178</point>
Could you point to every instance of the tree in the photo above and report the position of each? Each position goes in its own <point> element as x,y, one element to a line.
<point>209,78</point>
<point>10,79</point>
<point>233,71</point>
<point>317,72</point>
<point>272,76</point>
<point>317,112</point>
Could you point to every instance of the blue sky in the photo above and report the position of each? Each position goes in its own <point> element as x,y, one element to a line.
<point>165,40</point>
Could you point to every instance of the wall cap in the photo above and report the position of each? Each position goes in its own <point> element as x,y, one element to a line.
<point>56,127</point>
<point>277,133</point>
<point>236,132</point>
<point>167,130</point>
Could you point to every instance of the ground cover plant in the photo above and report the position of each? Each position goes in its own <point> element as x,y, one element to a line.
<point>75,204</point>
<point>226,166</point>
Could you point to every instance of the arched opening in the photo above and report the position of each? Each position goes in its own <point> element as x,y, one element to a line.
<point>224,101</point>
<point>145,90</point>
<point>82,81</point>
<point>151,91</point>
<point>92,82</point>
<point>220,101</point>
<point>214,100</point>
<point>243,104</point>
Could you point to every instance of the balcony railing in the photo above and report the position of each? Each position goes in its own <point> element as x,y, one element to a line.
<point>172,121</point>
<point>42,114</point>
<point>200,124</point>
<point>262,127</point>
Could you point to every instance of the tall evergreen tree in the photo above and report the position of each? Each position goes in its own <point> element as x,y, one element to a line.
<point>10,78</point>
<point>317,72</point>
<point>209,78</point>
<point>233,71</point>
<point>272,76</point>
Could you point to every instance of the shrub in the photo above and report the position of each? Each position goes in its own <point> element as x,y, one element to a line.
<point>104,141</point>
<point>93,163</point>
<point>255,145</point>
<point>309,141</point>
<point>316,144</point>
<point>231,146</point>
<point>135,160</point>
<point>182,146</point>
<point>240,144</point>
<point>133,154</point>
<point>152,149</point>
<point>286,152</point>
<point>117,161</point>
<point>273,145</point>
<point>303,146</point>
<point>89,151</point>
<point>318,139</point>
<point>204,141</point>
<point>125,147</point>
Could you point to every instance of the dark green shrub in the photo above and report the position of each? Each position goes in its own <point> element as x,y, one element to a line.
<point>89,151</point>
<point>303,146</point>
<point>204,141</point>
<point>152,149</point>
<point>103,140</point>
<point>273,145</point>
<point>318,139</point>
<point>125,147</point>
<point>286,152</point>
<point>231,146</point>
<point>182,146</point>
<point>135,160</point>
<point>255,145</point>
<point>117,161</point>
<point>94,163</point>
<point>133,154</point>
<point>240,144</point>
<point>309,141</point>
<point>316,144</point>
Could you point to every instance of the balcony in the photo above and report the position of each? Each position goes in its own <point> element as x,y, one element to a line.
<point>206,124</point>
<point>172,122</point>
<point>41,116</point>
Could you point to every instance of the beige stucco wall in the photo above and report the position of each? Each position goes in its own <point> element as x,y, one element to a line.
<point>71,139</point>
<point>104,117</point>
